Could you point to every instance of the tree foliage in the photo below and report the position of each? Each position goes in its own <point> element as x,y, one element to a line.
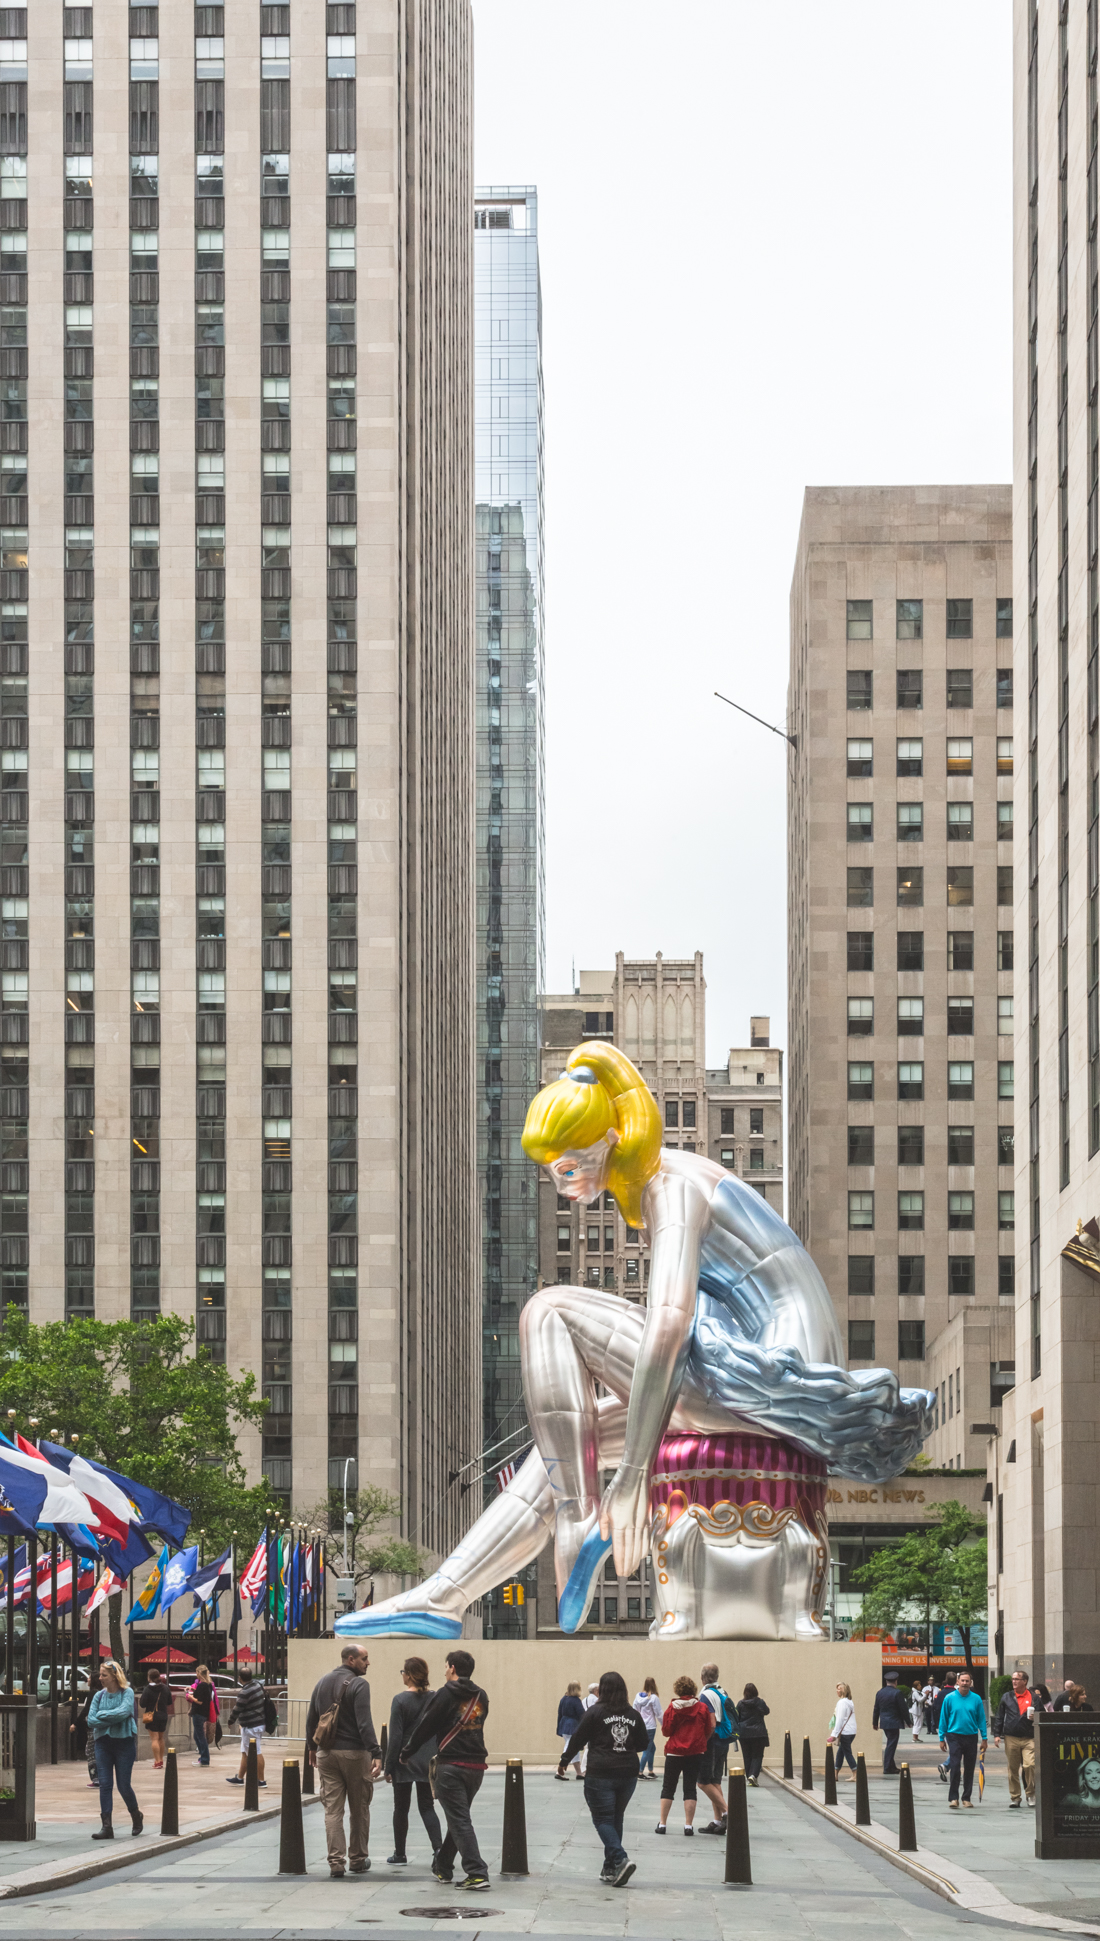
<point>371,1552</point>
<point>937,1576</point>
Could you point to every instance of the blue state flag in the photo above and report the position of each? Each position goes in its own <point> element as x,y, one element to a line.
<point>156,1512</point>
<point>123,1558</point>
<point>177,1577</point>
<point>148,1604</point>
<point>22,1494</point>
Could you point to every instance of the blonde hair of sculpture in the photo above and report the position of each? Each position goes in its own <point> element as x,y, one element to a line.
<point>573,1113</point>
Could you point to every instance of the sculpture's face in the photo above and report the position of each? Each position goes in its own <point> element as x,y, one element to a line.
<point>582,1175</point>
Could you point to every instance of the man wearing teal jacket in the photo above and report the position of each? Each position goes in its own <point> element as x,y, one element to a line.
<point>962,1727</point>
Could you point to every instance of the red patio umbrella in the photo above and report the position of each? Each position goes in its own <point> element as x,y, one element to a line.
<point>166,1657</point>
<point>245,1657</point>
<point>104,1651</point>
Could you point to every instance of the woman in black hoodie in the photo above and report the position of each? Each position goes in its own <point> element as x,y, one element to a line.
<point>404,1715</point>
<point>615,1734</point>
<point>752,1732</point>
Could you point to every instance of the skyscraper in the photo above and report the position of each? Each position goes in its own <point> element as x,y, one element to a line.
<point>510,808</point>
<point>236,287</point>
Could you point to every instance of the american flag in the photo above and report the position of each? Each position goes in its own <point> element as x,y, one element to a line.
<point>506,1475</point>
<point>253,1579</point>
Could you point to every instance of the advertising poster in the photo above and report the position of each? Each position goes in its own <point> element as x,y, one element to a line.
<point>1069,1786</point>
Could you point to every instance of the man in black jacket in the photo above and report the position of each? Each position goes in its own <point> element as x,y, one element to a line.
<point>890,1717</point>
<point>456,1717</point>
<point>1013,1725</point>
<point>350,1763</point>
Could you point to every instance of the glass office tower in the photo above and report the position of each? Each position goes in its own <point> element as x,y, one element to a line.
<point>510,788</point>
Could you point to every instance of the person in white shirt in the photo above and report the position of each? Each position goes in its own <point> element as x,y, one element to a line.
<point>647,1704</point>
<point>844,1729</point>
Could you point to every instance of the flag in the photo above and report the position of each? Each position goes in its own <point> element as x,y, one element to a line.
<point>123,1558</point>
<point>37,1492</point>
<point>112,1507</point>
<point>148,1604</point>
<point>206,1582</point>
<point>85,1581</point>
<point>235,1620</point>
<point>506,1475</point>
<point>177,1577</point>
<point>148,1507</point>
<point>108,1586</point>
<point>254,1576</point>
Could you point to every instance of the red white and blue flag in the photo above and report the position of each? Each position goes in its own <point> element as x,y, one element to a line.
<point>253,1578</point>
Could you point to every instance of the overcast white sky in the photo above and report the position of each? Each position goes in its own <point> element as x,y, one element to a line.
<point>775,247</point>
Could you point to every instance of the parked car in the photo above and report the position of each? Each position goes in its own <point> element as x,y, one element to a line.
<point>64,1682</point>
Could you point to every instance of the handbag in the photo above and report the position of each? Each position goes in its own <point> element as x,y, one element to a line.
<point>459,1726</point>
<point>324,1732</point>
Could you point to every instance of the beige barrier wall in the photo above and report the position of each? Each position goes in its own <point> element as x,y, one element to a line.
<point>525,1681</point>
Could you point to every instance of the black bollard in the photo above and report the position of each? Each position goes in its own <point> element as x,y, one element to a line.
<point>807,1768</point>
<point>907,1820</point>
<point>863,1804</point>
<point>738,1858</point>
<point>308,1781</point>
<point>385,1740</point>
<point>251,1781</point>
<point>513,1848</point>
<point>170,1803</point>
<point>788,1757</point>
<point>830,1777</point>
<point>292,1839</point>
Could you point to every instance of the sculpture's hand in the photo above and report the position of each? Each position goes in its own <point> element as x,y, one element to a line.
<point>624,1517</point>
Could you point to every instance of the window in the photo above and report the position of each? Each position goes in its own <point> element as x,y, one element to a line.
<point>275,57</point>
<point>861,822</point>
<point>1004,885</point>
<point>564,1238</point>
<point>728,1125</point>
<point>861,765</point>
<point>341,56</point>
<point>341,249</point>
<point>960,757</point>
<point>1004,687</point>
<point>910,1145</point>
<point>960,1275</point>
<point>1005,1024</point>
<point>910,687</point>
<point>911,887</point>
<point>1004,620</point>
<point>727,1156</point>
<point>1006,1275</point>
<point>756,1159</point>
<point>861,1273</point>
<point>861,889</point>
<point>910,1017</point>
<point>689,1114</point>
<point>860,689</point>
<point>861,950</point>
<point>861,1341</point>
<point>910,1340</point>
<point>960,1212</point>
<point>861,1017</point>
<point>960,822</point>
<point>910,950</point>
<point>960,950</point>
<point>1004,822</point>
<point>1006,1145</point>
<point>910,619</point>
<point>960,1017</point>
<point>341,174</point>
<point>911,1081</point>
<point>861,1145</point>
<point>910,757</point>
<point>911,1212</point>
<point>756,1119</point>
<point>672,1112</point>
<point>1006,1077</point>
<point>910,1273</point>
<point>910,822</point>
<point>861,1082</point>
<point>609,1240</point>
<point>960,619</point>
<point>960,886</point>
<point>960,1145</point>
<point>1006,1211</point>
<point>1006,954</point>
<point>861,1210</point>
<point>860,620</point>
<point>960,687</point>
<point>960,1079</point>
<point>1004,754</point>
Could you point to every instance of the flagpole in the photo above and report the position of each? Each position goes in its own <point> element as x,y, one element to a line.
<point>9,1641</point>
<point>74,1668</point>
<point>236,1594</point>
<point>53,1644</point>
<point>30,1634</point>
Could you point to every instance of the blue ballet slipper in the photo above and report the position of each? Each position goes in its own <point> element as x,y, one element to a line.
<point>577,1596</point>
<point>398,1624</point>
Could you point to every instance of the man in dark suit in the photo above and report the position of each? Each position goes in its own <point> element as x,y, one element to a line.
<point>890,1718</point>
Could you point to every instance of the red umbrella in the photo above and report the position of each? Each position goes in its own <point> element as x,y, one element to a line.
<point>245,1657</point>
<point>166,1657</point>
<point>104,1651</point>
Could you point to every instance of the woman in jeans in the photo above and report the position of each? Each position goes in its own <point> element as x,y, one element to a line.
<point>614,1733</point>
<point>844,1728</point>
<point>111,1717</point>
<point>404,1714</point>
<point>752,1732</point>
<point>647,1704</point>
<point>687,1725</point>
<point>199,1697</point>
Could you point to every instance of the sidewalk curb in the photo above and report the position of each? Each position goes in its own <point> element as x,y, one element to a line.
<point>964,1889</point>
<point>59,1874</point>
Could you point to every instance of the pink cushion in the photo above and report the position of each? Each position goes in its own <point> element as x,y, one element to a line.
<point>737,1469</point>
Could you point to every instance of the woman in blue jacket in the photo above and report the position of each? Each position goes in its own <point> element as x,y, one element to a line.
<point>111,1718</point>
<point>570,1714</point>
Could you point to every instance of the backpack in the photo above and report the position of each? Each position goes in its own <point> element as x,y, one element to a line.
<point>725,1728</point>
<point>271,1715</point>
<point>324,1732</point>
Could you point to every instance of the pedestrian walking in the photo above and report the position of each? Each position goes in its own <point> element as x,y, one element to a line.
<point>647,1703</point>
<point>928,1699</point>
<point>155,1703</point>
<point>713,1769</point>
<point>962,1732</point>
<point>249,1713</point>
<point>342,1743</point>
<point>114,1726</point>
<point>937,1708</point>
<point>687,1725</point>
<point>456,1718</point>
<point>404,1713</point>
<point>842,1729</point>
<point>200,1697</point>
<point>1014,1724</point>
<point>570,1714</point>
<point>615,1733</point>
<point>889,1717</point>
<point>752,1732</point>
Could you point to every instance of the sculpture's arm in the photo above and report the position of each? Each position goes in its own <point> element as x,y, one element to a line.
<point>677,1214</point>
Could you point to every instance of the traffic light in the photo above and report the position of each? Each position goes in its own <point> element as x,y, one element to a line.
<point>513,1593</point>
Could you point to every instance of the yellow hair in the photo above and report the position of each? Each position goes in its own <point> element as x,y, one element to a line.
<point>573,1113</point>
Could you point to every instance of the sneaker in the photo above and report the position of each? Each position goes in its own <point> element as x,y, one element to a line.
<point>564,1776</point>
<point>336,1873</point>
<point>474,1884</point>
<point>607,1875</point>
<point>1014,1805</point>
<point>235,1781</point>
<point>714,1827</point>
<point>954,1805</point>
<point>438,1874</point>
<point>360,1867</point>
<point>1031,1799</point>
<point>942,1770</point>
<point>620,1879</point>
<point>398,1860</point>
<point>660,1829</point>
<point>689,1833</point>
<point>969,1803</point>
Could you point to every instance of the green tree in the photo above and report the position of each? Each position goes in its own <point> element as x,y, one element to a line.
<point>371,1552</point>
<point>936,1576</point>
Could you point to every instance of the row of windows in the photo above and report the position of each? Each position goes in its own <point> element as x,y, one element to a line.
<point>909,693</point>
<point>910,950</point>
<point>909,619</point>
<point>910,1147</point>
<point>910,1211</point>
<point>909,756</point>
<point>960,1080</point>
<point>861,1341</point>
<point>910,886</point>
<point>909,823</point>
<point>910,1017</point>
<point>912,1277</point>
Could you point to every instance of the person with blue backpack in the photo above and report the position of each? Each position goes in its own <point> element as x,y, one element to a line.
<point>713,1769</point>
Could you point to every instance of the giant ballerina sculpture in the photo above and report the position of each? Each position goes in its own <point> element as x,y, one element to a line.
<point>725,1402</point>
